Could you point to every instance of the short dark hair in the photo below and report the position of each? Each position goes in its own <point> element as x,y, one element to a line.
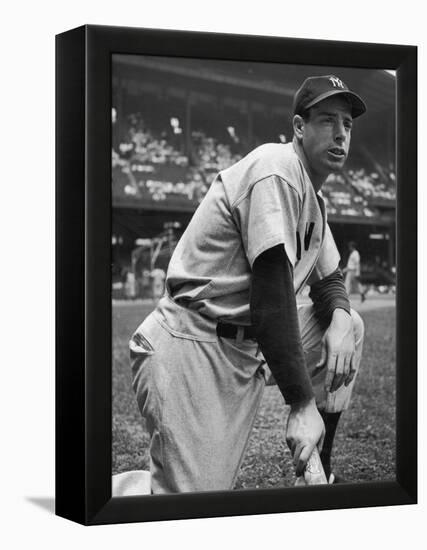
<point>305,115</point>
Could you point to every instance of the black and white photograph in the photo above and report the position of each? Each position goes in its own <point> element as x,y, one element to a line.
<point>240,284</point>
<point>212,236</point>
<point>253,275</point>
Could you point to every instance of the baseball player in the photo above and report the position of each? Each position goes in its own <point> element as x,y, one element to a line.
<point>352,272</point>
<point>157,277</point>
<point>199,361</point>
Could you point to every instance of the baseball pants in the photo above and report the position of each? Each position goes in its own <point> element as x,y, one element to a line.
<point>199,394</point>
<point>352,283</point>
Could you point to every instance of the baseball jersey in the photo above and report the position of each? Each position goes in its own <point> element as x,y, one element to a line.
<point>264,200</point>
<point>353,263</point>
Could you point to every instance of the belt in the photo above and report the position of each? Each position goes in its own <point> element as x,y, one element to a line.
<point>231,331</point>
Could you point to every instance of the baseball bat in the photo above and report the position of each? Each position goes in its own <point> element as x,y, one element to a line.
<point>313,473</point>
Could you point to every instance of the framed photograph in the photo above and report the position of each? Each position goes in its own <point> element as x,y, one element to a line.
<point>236,275</point>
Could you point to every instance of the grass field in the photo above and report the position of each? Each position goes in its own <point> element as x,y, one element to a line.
<point>365,441</point>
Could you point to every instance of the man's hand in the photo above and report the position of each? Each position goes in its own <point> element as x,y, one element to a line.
<point>304,431</point>
<point>338,348</point>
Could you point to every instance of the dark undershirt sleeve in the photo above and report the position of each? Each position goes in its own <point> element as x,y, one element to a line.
<point>327,295</point>
<point>275,318</point>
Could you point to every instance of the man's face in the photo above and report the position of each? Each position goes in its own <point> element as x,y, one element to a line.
<point>326,135</point>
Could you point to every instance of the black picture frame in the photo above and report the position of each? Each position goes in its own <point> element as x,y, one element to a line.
<point>83,278</point>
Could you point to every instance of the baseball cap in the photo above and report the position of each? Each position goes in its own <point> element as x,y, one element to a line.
<point>318,88</point>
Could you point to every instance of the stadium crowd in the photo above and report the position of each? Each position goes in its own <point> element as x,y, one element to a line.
<point>145,161</point>
<point>373,186</point>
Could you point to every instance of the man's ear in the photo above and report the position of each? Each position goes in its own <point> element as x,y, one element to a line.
<point>298,124</point>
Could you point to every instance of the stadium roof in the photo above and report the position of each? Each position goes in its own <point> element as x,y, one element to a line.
<point>375,86</point>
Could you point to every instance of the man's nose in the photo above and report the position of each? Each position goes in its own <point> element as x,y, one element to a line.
<point>340,133</point>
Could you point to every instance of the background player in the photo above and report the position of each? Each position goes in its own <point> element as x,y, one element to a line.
<point>257,238</point>
<point>352,272</point>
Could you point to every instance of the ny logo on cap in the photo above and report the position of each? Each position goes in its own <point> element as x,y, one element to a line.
<point>336,82</point>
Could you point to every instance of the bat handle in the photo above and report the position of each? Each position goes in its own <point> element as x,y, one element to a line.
<point>314,473</point>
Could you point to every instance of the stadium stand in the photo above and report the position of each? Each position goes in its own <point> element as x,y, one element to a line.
<point>372,186</point>
<point>147,164</point>
<point>177,124</point>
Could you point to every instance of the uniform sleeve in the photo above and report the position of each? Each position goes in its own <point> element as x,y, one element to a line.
<point>268,216</point>
<point>327,295</point>
<point>275,318</point>
<point>328,259</point>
